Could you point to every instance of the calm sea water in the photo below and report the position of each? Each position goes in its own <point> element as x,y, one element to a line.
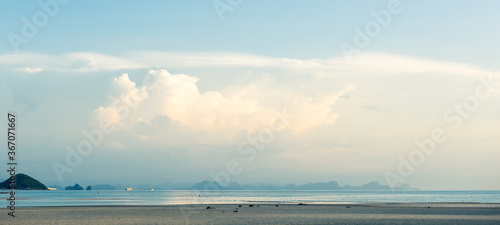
<point>75,198</point>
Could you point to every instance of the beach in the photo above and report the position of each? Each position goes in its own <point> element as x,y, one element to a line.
<point>384,213</point>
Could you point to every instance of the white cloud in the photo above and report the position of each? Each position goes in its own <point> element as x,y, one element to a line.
<point>313,112</point>
<point>110,114</point>
<point>32,70</point>
<point>125,94</point>
<point>177,96</point>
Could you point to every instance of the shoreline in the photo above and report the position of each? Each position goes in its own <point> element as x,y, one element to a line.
<point>435,204</point>
<point>371,213</point>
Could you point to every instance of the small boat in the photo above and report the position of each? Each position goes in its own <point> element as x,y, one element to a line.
<point>128,189</point>
<point>151,189</point>
<point>51,189</point>
<point>4,192</point>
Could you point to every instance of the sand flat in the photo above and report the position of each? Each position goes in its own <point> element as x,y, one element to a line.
<point>446,213</point>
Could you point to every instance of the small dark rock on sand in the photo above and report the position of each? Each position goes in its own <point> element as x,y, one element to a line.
<point>302,204</point>
<point>250,205</point>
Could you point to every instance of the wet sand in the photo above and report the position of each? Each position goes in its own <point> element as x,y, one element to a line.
<point>396,213</point>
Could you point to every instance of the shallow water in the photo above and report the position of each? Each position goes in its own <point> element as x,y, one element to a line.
<point>121,197</point>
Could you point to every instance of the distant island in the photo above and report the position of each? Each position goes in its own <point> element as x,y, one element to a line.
<point>24,182</point>
<point>75,187</point>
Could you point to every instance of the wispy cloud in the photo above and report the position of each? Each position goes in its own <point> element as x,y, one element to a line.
<point>71,62</point>
<point>370,62</point>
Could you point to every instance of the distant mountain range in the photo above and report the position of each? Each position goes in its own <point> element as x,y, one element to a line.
<point>27,182</point>
<point>211,185</point>
<point>332,185</point>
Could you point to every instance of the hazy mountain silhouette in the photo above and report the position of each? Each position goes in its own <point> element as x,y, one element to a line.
<point>24,182</point>
<point>332,185</point>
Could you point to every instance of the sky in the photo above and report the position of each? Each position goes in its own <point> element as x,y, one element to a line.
<point>114,92</point>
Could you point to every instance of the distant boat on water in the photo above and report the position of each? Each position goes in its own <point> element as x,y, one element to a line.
<point>4,192</point>
<point>151,189</point>
<point>51,189</point>
<point>128,189</point>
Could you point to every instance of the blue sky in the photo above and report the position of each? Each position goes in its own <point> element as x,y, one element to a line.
<point>454,30</point>
<point>222,81</point>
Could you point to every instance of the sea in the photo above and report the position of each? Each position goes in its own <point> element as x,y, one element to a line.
<point>29,198</point>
